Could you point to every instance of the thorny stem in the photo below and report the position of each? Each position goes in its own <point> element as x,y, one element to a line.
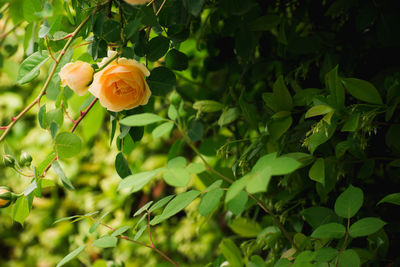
<point>211,169</point>
<point>143,244</point>
<point>46,84</point>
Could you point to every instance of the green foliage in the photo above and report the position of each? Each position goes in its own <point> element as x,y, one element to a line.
<point>270,137</point>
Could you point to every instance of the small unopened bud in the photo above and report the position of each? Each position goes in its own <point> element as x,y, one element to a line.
<point>8,160</point>
<point>25,159</point>
<point>6,197</point>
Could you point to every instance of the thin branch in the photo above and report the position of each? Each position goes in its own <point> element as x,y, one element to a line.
<point>14,120</point>
<point>49,49</point>
<point>344,242</point>
<point>143,244</point>
<point>162,5</point>
<point>148,226</point>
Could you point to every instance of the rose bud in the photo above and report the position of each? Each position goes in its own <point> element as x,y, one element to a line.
<point>121,85</point>
<point>6,197</point>
<point>8,160</point>
<point>77,76</point>
<point>25,159</point>
<point>137,2</point>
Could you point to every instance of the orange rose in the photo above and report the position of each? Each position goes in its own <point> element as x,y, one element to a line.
<point>121,84</point>
<point>137,2</point>
<point>77,76</point>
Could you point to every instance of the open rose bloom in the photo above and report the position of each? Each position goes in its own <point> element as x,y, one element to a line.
<point>121,85</point>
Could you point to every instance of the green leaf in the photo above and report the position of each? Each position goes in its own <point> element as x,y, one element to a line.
<point>30,8</point>
<point>317,171</point>
<point>176,205</point>
<point>228,116</point>
<point>97,223</point>
<point>67,145</point>
<point>349,258</point>
<point>282,95</point>
<point>64,179</point>
<point>245,227</point>
<point>161,81</point>
<point>317,111</point>
<point>330,230</point>
<point>143,208</point>
<point>284,165</point>
<point>335,87</point>
<point>141,119</point>
<point>195,168</point>
<point>362,90</point>
<point>106,242</point>
<point>176,177</point>
<point>351,124</point>
<point>235,188</point>
<point>56,115</point>
<point>208,106</point>
<point>195,6</point>
<point>172,112</point>
<point>210,201</point>
<point>349,202</point>
<point>325,254</point>
<point>392,198</point>
<point>231,253</point>
<point>71,255</point>
<point>366,226</point>
<point>162,129</point>
<point>21,209</point>
<point>176,60</point>
<point>238,203</point>
<point>111,30</point>
<point>178,162</point>
<point>157,47</point>
<point>30,67</point>
<point>316,216</point>
<point>265,23</point>
<point>122,166</point>
<point>283,262</point>
<point>137,181</point>
<point>140,232</point>
<point>161,203</point>
<point>42,117</point>
<point>43,165</point>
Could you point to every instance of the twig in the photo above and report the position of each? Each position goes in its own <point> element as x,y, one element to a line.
<point>49,48</point>
<point>148,226</point>
<point>143,244</point>
<point>162,5</point>
<point>344,242</point>
<point>46,84</point>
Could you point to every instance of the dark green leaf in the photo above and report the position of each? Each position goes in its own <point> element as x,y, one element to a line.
<point>122,166</point>
<point>176,60</point>
<point>157,47</point>
<point>330,230</point>
<point>366,226</point>
<point>349,202</point>
<point>362,90</point>
<point>392,198</point>
<point>161,81</point>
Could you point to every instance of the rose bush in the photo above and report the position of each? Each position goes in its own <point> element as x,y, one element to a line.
<point>121,84</point>
<point>77,75</point>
